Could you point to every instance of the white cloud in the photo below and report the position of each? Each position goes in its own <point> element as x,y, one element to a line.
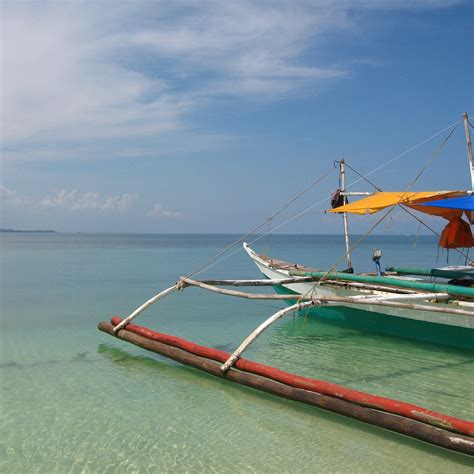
<point>158,211</point>
<point>9,197</point>
<point>80,76</point>
<point>69,201</point>
<point>256,43</point>
<point>59,83</point>
<point>92,201</point>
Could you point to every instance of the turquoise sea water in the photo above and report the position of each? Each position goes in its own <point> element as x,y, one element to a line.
<point>76,400</point>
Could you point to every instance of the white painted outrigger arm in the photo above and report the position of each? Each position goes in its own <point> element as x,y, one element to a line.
<point>251,338</point>
<point>183,282</point>
<point>144,306</point>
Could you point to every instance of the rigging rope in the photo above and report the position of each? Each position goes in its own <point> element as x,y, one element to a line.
<point>408,211</point>
<point>407,190</point>
<point>214,260</point>
<point>401,155</point>
<point>208,263</point>
<point>363,177</point>
<point>308,209</point>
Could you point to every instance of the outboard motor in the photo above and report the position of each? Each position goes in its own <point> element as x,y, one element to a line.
<point>377,255</point>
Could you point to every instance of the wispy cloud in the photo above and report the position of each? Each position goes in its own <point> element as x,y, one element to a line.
<point>10,198</point>
<point>159,211</point>
<point>80,77</point>
<point>92,201</point>
<point>69,201</point>
<point>243,47</point>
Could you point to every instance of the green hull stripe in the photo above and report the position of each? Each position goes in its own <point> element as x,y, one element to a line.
<point>431,272</point>
<point>381,280</point>
<point>391,325</point>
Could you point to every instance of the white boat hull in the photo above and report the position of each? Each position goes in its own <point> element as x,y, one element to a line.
<point>459,327</point>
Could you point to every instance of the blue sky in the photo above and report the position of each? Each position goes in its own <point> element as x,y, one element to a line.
<point>207,116</point>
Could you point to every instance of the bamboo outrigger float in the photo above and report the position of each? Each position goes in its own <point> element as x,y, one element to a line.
<point>408,419</point>
<point>399,294</point>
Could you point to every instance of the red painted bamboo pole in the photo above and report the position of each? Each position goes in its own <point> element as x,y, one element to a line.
<point>416,429</point>
<point>407,410</point>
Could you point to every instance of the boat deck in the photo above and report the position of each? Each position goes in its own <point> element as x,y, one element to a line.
<point>283,265</point>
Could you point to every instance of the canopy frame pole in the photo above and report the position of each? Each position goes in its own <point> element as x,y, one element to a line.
<point>342,187</point>
<point>467,130</point>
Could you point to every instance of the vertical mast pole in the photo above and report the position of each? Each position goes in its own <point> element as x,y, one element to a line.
<point>469,145</point>
<point>342,186</point>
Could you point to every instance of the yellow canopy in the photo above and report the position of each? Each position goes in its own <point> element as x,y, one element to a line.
<point>378,201</point>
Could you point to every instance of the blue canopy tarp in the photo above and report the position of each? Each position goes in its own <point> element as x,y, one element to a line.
<point>465,203</point>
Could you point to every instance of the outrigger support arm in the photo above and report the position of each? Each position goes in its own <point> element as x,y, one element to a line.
<point>144,306</point>
<point>395,300</point>
<point>383,301</point>
<point>184,282</point>
<point>251,338</point>
<point>209,285</point>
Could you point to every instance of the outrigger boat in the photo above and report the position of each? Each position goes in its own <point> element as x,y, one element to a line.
<point>434,305</point>
<point>408,302</point>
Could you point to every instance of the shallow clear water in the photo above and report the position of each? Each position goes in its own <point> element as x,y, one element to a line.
<point>76,400</point>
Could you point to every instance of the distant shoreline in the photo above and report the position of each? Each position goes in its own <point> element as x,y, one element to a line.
<point>15,231</point>
<point>234,234</point>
